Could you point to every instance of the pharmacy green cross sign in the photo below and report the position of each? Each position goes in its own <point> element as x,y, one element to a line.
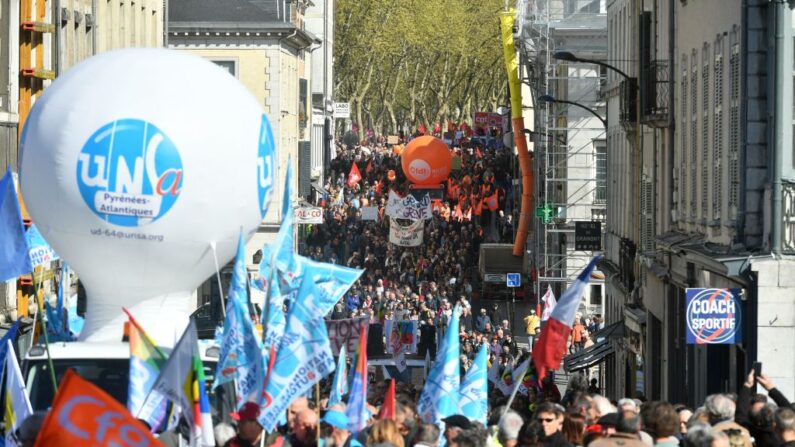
<point>546,213</point>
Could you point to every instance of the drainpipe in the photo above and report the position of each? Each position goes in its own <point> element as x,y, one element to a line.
<point>782,95</point>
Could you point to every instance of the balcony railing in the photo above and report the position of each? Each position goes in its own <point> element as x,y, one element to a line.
<point>628,95</point>
<point>654,94</point>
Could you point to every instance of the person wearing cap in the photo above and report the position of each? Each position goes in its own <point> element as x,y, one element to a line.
<point>249,431</point>
<point>453,425</point>
<point>334,430</point>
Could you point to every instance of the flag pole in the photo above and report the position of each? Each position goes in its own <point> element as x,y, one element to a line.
<point>218,277</point>
<point>43,329</point>
<point>515,389</point>
<point>317,401</point>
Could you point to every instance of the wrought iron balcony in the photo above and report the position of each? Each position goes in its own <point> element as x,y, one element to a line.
<point>654,94</point>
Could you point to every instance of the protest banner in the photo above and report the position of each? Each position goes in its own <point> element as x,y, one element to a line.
<point>408,207</point>
<point>406,236</point>
<point>344,333</point>
<point>401,336</point>
<point>309,215</point>
<point>370,213</point>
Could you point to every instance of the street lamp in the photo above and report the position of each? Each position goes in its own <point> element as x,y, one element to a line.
<point>548,98</point>
<point>568,56</point>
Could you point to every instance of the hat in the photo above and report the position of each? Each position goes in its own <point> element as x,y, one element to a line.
<point>336,419</point>
<point>610,420</point>
<point>458,420</point>
<point>249,411</point>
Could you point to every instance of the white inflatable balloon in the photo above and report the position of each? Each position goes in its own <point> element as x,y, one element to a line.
<point>133,162</point>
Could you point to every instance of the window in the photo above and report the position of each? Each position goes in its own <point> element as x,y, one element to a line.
<point>600,195</point>
<point>705,122</point>
<point>734,128</point>
<point>681,185</point>
<point>229,66</point>
<point>596,294</point>
<point>717,146</point>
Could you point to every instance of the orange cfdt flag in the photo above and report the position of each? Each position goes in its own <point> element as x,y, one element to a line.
<point>83,414</point>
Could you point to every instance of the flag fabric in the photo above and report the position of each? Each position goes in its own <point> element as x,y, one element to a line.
<point>57,324</point>
<point>76,322</point>
<point>548,351</point>
<point>439,397</point>
<point>494,371</point>
<point>39,250</point>
<point>340,384</point>
<point>549,303</point>
<point>280,255</point>
<point>473,402</point>
<point>354,176</point>
<point>326,282</point>
<point>17,405</point>
<point>83,414</point>
<point>14,256</point>
<point>241,353</point>
<point>146,362</point>
<point>357,399</point>
<point>518,376</point>
<point>181,380</point>
<point>369,167</point>
<point>304,353</point>
<point>388,407</point>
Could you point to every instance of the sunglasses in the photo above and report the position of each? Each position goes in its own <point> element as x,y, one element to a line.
<point>547,420</point>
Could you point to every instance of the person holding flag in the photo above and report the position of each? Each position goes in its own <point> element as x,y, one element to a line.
<point>551,345</point>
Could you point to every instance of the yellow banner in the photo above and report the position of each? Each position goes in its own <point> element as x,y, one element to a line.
<point>507,19</point>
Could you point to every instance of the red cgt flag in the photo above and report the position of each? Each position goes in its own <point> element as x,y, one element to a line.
<point>83,414</point>
<point>354,176</point>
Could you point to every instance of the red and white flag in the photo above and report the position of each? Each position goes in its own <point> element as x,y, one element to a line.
<point>354,176</point>
<point>549,303</point>
<point>548,351</point>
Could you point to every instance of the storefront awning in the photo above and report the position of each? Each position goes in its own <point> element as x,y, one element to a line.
<point>609,332</point>
<point>319,188</point>
<point>590,356</point>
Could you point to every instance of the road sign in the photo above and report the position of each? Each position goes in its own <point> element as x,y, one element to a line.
<point>588,236</point>
<point>342,110</point>
<point>513,280</point>
<point>494,277</point>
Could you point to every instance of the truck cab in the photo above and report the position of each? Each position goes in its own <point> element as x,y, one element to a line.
<point>106,365</point>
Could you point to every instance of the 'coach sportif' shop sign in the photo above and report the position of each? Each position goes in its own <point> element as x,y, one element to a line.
<point>713,316</point>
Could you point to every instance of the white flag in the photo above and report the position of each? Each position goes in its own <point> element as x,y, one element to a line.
<point>17,404</point>
<point>549,304</point>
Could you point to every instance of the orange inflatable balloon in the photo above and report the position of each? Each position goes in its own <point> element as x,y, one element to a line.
<point>426,160</point>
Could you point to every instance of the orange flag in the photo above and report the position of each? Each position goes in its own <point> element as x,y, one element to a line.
<point>83,414</point>
<point>388,407</point>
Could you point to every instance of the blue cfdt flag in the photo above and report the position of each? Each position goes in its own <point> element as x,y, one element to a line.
<point>713,316</point>
<point>340,385</point>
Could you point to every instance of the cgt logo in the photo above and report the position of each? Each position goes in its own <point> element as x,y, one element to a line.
<point>420,169</point>
<point>129,173</point>
<point>265,165</point>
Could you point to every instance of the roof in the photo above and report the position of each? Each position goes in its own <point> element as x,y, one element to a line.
<point>236,11</point>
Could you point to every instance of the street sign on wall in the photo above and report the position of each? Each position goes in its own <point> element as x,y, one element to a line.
<point>713,316</point>
<point>588,236</point>
<point>513,280</point>
<point>342,110</point>
<point>309,215</point>
<point>494,277</point>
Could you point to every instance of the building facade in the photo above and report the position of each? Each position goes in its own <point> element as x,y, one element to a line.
<point>267,47</point>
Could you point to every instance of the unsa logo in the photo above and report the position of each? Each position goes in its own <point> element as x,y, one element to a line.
<point>265,165</point>
<point>129,173</point>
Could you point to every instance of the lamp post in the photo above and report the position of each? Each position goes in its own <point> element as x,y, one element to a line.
<point>548,98</point>
<point>568,56</point>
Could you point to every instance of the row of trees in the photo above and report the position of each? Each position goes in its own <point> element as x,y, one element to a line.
<point>402,63</point>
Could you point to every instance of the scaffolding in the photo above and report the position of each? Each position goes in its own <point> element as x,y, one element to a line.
<point>570,141</point>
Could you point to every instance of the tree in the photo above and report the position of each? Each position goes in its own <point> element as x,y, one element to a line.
<point>402,63</point>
